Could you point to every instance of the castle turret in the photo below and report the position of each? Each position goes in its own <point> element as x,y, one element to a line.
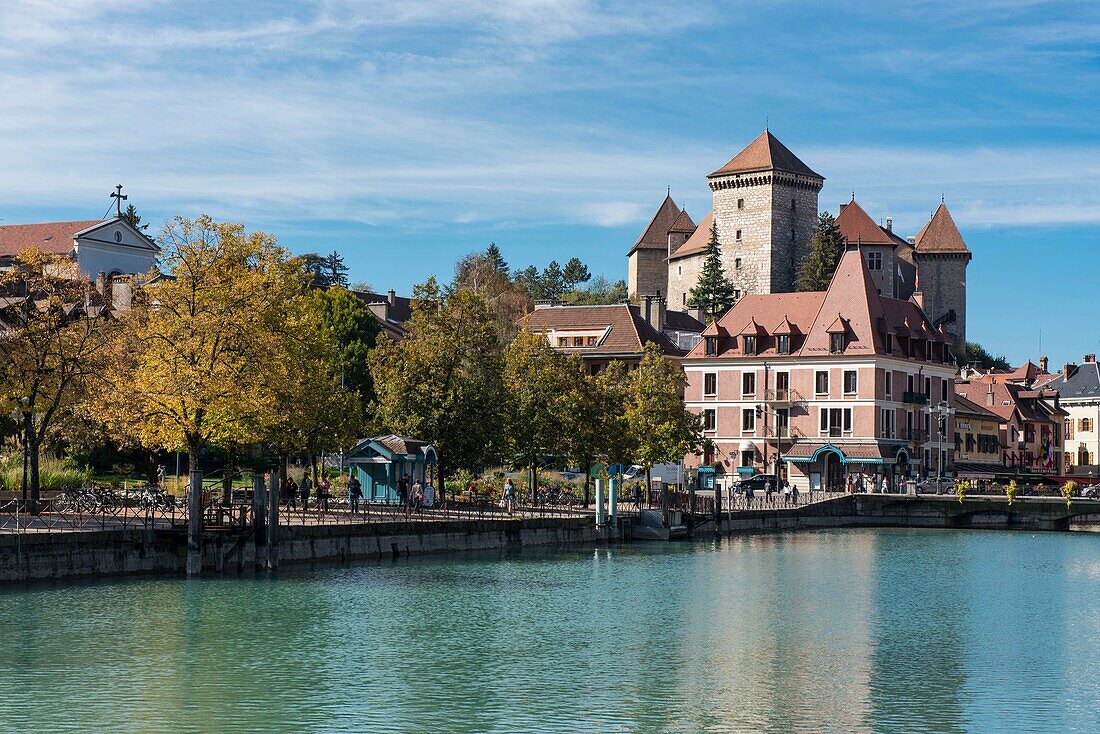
<point>941,258</point>
<point>647,269</point>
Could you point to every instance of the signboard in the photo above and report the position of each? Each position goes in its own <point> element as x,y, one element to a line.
<point>962,425</point>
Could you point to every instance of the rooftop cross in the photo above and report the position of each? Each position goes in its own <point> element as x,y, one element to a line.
<point>119,197</point>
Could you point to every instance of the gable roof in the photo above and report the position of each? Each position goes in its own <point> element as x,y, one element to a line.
<point>1082,383</point>
<point>697,242</point>
<point>50,237</point>
<point>627,332</point>
<point>940,235</point>
<point>765,153</point>
<point>969,407</point>
<point>857,227</point>
<point>655,236</point>
<point>851,304</point>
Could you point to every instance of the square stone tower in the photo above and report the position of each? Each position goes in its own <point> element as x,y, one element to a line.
<point>941,258</point>
<point>765,208</point>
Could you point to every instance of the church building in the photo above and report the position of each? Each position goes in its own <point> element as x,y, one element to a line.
<point>764,209</point>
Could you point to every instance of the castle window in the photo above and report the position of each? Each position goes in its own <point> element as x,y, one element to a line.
<point>738,237</point>
<point>685,298</point>
<point>836,343</point>
<point>792,236</point>
<point>783,344</point>
<point>736,294</point>
<point>874,261</point>
<point>679,269</point>
<point>750,344</point>
<point>740,203</point>
<point>1086,424</point>
<point>737,263</point>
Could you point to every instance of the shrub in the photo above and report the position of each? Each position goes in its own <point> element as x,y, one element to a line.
<point>1010,491</point>
<point>53,473</point>
<point>1068,490</point>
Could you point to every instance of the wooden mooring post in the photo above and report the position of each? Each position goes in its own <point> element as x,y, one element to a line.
<point>259,519</point>
<point>194,523</point>
<point>272,545</point>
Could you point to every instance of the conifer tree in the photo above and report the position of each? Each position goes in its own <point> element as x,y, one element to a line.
<point>714,293</point>
<point>816,270</point>
<point>496,259</point>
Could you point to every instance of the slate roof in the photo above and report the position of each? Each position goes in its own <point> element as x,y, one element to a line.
<point>765,153</point>
<point>655,235</point>
<point>627,334</point>
<point>49,237</point>
<point>940,235</point>
<point>1083,383</point>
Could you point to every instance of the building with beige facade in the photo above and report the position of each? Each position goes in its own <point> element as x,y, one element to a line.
<point>823,386</point>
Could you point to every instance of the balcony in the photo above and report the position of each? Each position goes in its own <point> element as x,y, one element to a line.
<point>913,434</point>
<point>914,398</point>
<point>782,395</point>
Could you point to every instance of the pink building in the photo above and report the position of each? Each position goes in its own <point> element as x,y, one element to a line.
<point>824,385</point>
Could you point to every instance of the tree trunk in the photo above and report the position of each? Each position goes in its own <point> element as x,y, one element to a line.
<point>33,450</point>
<point>587,483</point>
<point>229,468</point>
<point>441,486</point>
<point>194,513</point>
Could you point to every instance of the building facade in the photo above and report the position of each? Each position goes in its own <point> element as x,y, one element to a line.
<point>112,247</point>
<point>1078,388</point>
<point>823,386</point>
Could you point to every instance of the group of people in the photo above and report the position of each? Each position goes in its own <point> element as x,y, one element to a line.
<point>412,497</point>
<point>296,492</point>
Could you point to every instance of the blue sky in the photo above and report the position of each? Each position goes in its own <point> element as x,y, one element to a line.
<point>408,133</point>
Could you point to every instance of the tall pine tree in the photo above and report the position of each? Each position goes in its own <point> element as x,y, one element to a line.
<point>496,259</point>
<point>816,270</point>
<point>714,293</point>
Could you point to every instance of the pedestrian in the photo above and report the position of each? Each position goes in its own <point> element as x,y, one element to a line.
<point>638,496</point>
<point>885,484</point>
<point>304,490</point>
<point>768,492</point>
<point>355,493</point>
<point>418,497</point>
<point>323,493</point>
<point>403,492</point>
<point>509,496</point>
<point>794,493</point>
<point>292,494</point>
<point>786,493</point>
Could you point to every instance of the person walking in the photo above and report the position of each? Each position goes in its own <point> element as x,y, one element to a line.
<point>304,490</point>
<point>323,493</point>
<point>768,492</point>
<point>509,496</point>
<point>355,493</point>
<point>403,493</point>
<point>418,497</point>
<point>638,496</point>
<point>794,492</point>
<point>292,494</point>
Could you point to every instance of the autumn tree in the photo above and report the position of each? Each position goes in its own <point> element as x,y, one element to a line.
<point>818,265</point>
<point>541,388</point>
<point>193,362</point>
<point>52,331</point>
<point>596,427</point>
<point>663,430</point>
<point>441,382</point>
<point>714,293</point>
<point>481,273</point>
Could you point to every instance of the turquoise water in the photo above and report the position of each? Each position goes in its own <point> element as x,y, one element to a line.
<point>853,631</point>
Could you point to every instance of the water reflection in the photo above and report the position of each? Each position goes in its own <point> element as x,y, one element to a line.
<point>861,631</point>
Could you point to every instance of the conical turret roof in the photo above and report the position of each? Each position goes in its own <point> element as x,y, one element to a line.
<point>940,235</point>
<point>765,153</point>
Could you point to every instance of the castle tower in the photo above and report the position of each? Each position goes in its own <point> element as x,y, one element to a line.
<point>941,258</point>
<point>647,269</point>
<point>765,206</point>
<point>876,244</point>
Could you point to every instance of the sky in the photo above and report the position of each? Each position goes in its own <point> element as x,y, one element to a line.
<point>407,133</point>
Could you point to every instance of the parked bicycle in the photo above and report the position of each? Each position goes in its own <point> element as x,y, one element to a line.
<point>156,498</point>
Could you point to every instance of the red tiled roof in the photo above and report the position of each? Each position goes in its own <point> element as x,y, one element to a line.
<point>940,235</point>
<point>698,241</point>
<point>655,236</point>
<point>857,227</point>
<point>51,237</point>
<point>806,449</point>
<point>765,153</point>
<point>851,297</point>
<point>683,223</point>
<point>628,332</point>
<point>967,406</point>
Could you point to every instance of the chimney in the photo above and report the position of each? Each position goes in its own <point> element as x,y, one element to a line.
<point>843,205</point>
<point>122,293</point>
<point>653,311</point>
<point>889,224</point>
<point>1089,358</point>
<point>989,395</point>
<point>392,298</point>
<point>1043,362</point>
<point>697,313</point>
<point>1067,369</point>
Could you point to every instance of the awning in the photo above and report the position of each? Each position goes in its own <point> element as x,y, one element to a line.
<point>803,452</point>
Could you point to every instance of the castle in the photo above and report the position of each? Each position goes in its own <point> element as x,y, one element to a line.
<point>765,209</point>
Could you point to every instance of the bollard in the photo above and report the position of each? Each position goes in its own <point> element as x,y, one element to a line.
<point>600,511</point>
<point>259,518</point>
<point>194,523</point>
<point>613,502</point>
<point>272,520</point>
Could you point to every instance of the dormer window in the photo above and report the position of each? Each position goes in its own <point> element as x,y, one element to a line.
<point>889,343</point>
<point>836,343</point>
<point>783,344</point>
<point>750,345</point>
<point>711,346</point>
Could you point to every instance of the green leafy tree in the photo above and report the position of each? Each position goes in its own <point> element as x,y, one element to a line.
<point>975,355</point>
<point>598,292</point>
<point>442,382</point>
<point>541,387</point>
<point>574,274</point>
<point>508,300</point>
<point>496,259</point>
<point>818,266</point>
<point>663,430</point>
<point>354,330</point>
<point>596,426</point>
<point>714,293</point>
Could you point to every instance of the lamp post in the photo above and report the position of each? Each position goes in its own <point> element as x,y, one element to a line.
<point>941,412</point>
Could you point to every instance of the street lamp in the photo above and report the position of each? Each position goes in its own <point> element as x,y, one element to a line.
<point>941,412</point>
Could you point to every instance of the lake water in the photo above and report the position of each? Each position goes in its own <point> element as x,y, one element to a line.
<point>852,631</point>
